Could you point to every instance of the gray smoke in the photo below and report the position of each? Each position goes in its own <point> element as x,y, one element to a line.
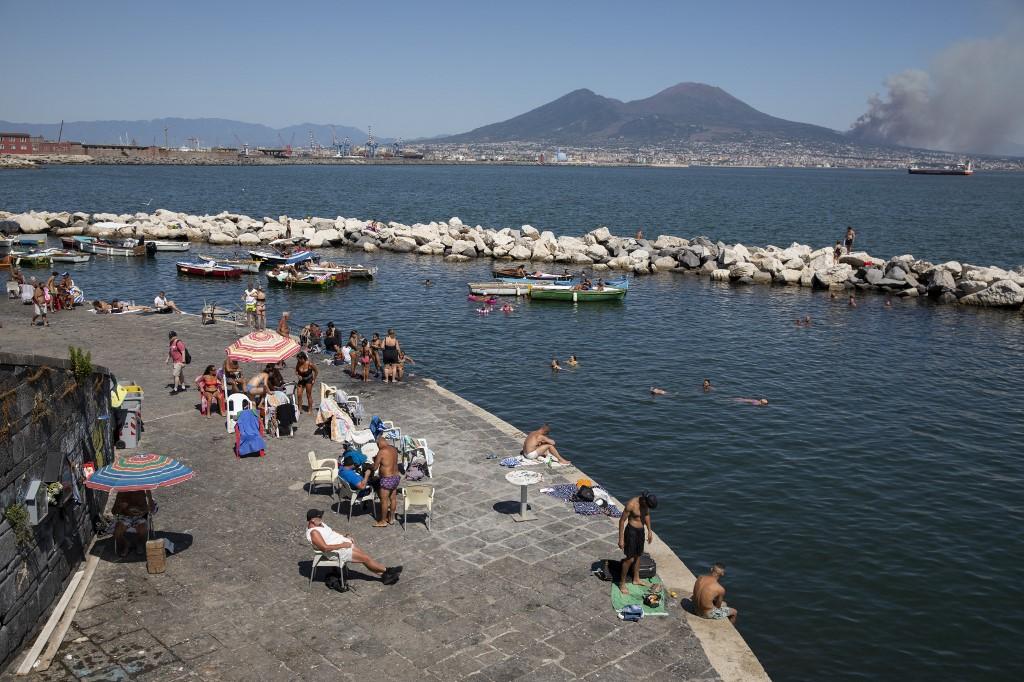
<point>972,100</point>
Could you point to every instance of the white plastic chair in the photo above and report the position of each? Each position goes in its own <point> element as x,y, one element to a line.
<point>329,559</point>
<point>322,472</point>
<point>237,403</point>
<point>346,492</point>
<point>417,496</point>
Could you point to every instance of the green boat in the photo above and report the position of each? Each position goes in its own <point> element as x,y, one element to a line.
<point>557,293</point>
<point>315,283</point>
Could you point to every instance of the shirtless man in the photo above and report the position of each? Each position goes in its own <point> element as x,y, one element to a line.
<point>635,516</point>
<point>658,391</point>
<point>385,465</point>
<point>707,597</point>
<point>537,444</point>
<point>38,303</point>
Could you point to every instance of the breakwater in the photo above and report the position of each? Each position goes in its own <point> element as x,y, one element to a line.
<point>796,265</point>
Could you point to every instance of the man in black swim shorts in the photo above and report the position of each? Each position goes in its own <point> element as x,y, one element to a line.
<point>636,516</point>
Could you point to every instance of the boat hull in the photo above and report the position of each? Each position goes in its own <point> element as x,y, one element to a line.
<point>29,239</point>
<point>302,284</point>
<point>498,288</point>
<point>169,246</point>
<point>252,266</point>
<point>575,296</point>
<point>267,258</point>
<point>210,271</point>
<point>70,257</point>
<point>939,171</point>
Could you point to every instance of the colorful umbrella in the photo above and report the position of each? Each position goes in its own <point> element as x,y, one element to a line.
<point>140,472</point>
<point>262,346</point>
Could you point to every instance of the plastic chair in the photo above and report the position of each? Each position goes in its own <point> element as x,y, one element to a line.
<point>323,472</point>
<point>418,496</point>
<point>329,559</point>
<point>237,403</point>
<point>346,492</point>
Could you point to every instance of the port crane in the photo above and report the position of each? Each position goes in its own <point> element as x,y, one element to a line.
<point>341,149</point>
<point>396,148</point>
<point>371,143</point>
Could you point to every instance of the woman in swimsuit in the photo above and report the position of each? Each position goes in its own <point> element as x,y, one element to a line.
<point>331,341</point>
<point>209,388</point>
<point>233,375</point>
<point>392,349</point>
<point>400,366</point>
<point>353,344</point>
<point>257,386</point>
<point>261,307</point>
<point>307,373</point>
<point>365,355</point>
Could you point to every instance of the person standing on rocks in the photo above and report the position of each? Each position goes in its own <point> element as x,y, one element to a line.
<point>851,234</point>
<point>176,356</point>
<point>636,517</point>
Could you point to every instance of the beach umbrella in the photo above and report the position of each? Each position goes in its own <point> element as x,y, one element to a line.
<point>262,346</point>
<point>140,472</point>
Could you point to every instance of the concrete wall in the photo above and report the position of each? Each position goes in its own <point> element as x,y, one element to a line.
<point>49,426</point>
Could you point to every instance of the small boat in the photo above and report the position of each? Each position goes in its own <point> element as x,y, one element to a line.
<point>354,271</point>
<point>104,247</point>
<point>29,239</point>
<point>208,269</point>
<point>503,288</point>
<point>169,246</point>
<point>520,274</point>
<point>303,281</point>
<point>6,242</point>
<point>31,259</point>
<point>58,256</point>
<point>555,293</point>
<point>278,257</point>
<point>244,264</point>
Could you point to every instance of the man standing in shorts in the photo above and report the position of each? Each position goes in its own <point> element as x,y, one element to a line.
<point>385,465</point>
<point>635,517</point>
<point>176,356</point>
<point>38,303</point>
<point>708,597</point>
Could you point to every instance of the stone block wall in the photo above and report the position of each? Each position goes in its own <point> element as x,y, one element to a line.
<point>50,424</point>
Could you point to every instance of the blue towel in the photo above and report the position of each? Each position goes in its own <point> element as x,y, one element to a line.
<point>377,426</point>
<point>250,441</point>
<point>358,458</point>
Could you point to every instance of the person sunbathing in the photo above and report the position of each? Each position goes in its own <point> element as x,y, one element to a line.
<point>324,539</point>
<point>538,444</point>
<point>99,307</point>
<point>210,389</point>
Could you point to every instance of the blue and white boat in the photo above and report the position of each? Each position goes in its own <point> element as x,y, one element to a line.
<point>279,258</point>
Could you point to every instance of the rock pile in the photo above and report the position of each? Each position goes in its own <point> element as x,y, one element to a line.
<point>599,250</point>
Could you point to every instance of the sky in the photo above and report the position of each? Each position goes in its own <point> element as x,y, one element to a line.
<point>416,69</point>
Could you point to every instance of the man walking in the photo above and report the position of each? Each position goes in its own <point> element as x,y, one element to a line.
<point>176,356</point>
<point>635,517</point>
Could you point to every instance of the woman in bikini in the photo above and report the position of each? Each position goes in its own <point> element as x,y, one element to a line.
<point>210,388</point>
<point>392,349</point>
<point>365,356</point>
<point>307,373</point>
<point>400,366</point>
<point>257,386</point>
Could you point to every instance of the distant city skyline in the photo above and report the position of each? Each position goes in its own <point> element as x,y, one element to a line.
<point>421,70</point>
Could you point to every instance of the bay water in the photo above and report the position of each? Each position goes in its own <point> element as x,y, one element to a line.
<point>870,516</point>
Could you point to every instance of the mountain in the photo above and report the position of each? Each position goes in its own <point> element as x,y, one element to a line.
<point>211,132</point>
<point>678,113</point>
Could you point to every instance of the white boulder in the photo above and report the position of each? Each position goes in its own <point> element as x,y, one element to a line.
<point>1004,293</point>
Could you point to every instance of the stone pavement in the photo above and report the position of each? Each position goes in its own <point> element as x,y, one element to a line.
<point>481,597</point>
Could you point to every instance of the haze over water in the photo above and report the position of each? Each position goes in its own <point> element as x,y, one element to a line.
<point>870,515</point>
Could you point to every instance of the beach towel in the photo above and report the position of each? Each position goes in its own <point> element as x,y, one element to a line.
<point>567,491</point>
<point>250,440</point>
<point>377,426</point>
<point>520,461</point>
<point>636,598</point>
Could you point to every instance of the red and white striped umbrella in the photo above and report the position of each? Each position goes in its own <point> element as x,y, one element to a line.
<point>262,346</point>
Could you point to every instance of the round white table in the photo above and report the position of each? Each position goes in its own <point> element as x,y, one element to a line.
<point>523,479</point>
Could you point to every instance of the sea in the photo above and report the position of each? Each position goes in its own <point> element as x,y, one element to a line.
<point>870,516</point>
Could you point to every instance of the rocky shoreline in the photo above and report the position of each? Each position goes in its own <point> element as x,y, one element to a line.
<point>598,250</point>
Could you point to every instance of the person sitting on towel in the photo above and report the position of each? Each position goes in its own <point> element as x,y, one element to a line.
<point>537,444</point>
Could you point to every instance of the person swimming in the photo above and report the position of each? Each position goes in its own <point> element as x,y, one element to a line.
<point>555,367</point>
<point>573,361</point>
<point>507,308</point>
<point>853,302</point>
<point>658,391</point>
<point>707,385</point>
<point>752,401</point>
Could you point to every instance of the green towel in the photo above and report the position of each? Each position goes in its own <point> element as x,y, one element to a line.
<point>636,596</point>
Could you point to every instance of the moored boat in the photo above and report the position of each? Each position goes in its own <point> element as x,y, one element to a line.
<point>520,274</point>
<point>207,269</point>
<point>303,281</point>
<point>58,256</point>
<point>31,259</point>
<point>277,257</point>
<point>29,239</point>
<point>245,264</point>
<point>168,246</point>
<point>104,247</point>
<point>556,293</point>
<point>354,271</point>
<point>506,288</point>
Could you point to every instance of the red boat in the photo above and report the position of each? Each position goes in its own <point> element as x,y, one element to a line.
<point>209,270</point>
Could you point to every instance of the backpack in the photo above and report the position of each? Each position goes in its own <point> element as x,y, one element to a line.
<point>188,357</point>
<point>585,493</point>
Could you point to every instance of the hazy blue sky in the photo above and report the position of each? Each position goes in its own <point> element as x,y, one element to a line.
<point>424,68</point>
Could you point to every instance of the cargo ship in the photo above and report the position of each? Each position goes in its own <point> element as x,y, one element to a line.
<point>958,169</point>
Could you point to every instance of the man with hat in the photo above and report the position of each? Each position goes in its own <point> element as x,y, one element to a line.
<point>324,539</point>
<point>176,356</point>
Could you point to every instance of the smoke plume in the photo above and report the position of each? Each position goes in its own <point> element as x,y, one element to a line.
<point>972,100</point>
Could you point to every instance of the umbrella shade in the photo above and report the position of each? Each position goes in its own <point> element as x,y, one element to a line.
<point>262,346</point>
<point>140,472</point>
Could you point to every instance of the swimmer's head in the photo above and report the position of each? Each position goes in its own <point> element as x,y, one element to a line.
<point>763,401</point>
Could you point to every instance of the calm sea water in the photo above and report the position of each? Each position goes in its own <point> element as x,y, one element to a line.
<point>870,516</point>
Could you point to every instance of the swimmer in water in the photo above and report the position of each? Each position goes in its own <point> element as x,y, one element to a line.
<point>555,367</point>
<point>752,401</point>
<point>573,361</point>
<point>707,385</point>
<point>888,302</point>
<point>507,308</point>
<point>807,320</point>
<point>427,283</point>
<point>852,303</point>
<point>657,391</point>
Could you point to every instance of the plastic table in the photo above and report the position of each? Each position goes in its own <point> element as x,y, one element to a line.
<point>523,479</point>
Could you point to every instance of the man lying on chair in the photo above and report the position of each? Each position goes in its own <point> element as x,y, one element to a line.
<point>324,539</point>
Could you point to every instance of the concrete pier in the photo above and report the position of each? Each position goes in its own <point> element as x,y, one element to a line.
<point>480,598</point>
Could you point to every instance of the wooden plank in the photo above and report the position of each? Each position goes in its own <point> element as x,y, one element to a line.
<point>69,615</point>
<point>30,658</point>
